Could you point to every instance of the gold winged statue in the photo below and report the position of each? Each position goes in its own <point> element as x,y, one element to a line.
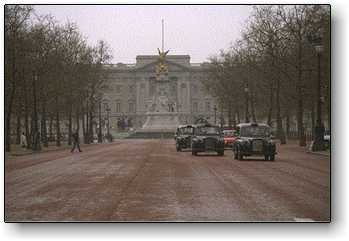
<point>161,67</point>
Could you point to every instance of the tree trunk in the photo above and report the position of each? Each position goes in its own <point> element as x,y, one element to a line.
<point>70,127</point>
<point>229,114</point>
<point>9,98</point>
<point>301,134</point>
<point>8,123</point>
<point>247,113</point>
<point>234,119</point>
<point>312,118</point>
<point>90,129</point>
<point>83,127</point>
<point>26,112</point>
<point>238,116</point>
<point>36,137</point>
<point>58,129</point>
<point>31,134</point>
<point>287,124</point>
<point>26,123</point>
<point>77,120</point>
<point>8,114</point>
<point>18,129</point>
<point>222,116</point>
<point>50,130</point>
<point>43,124</point>
<point>279,129</point>
<point>86,128</point>
<point>300,125</point>
<point>100,139</point>
<point>253,110</point>
<point>271,100</point>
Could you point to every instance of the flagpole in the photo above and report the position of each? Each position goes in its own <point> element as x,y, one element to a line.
<point>162,35</point>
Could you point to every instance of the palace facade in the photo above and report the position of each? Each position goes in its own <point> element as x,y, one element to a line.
<point>131,88</point>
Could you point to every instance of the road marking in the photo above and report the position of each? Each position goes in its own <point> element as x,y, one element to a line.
<point>303,220</point>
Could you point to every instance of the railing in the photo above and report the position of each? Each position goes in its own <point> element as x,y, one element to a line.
<point>120,65</point>
<point>294,135</point>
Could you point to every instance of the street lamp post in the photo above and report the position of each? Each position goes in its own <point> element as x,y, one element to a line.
<point>108,126</point>
<point>36,135</point>
<point>222,117</point>
<point>318,140</point>
<point>247,115</point>
<point>100,139</point>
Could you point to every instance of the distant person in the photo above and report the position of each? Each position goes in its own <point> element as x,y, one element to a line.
<point>75,136</point>
<point>23,140</point>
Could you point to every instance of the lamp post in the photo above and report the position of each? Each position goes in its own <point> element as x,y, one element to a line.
<point>100,139</point>
<point>318,139</point>
<point>222,117</point>
<point>108,126</point>
<point>215,114</point>
<point>247,114</point>
<point>36,135</point>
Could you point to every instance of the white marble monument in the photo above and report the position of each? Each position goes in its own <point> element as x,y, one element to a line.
<point>162,115</point>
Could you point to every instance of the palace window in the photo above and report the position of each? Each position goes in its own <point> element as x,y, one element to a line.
<point>173,78</point>
<point>173,89</point>
<point>195,107</point>
<point>208,106</point>
<point>131,89</point>
<point>131,107</point>
<point>152,89</point>
<point>195,89</point>
<point>105,106</point>
<point>118,106</point>
<point>118,89</point>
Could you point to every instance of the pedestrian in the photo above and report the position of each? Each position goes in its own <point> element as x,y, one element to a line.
<point>23,140</point>
<point>75,136</point>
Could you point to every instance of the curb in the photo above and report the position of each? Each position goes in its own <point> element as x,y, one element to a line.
<point>44,151</point>
<point>37,152</point>
<point>319,154</point>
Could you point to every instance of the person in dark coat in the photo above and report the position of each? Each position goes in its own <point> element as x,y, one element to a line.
<point>75,136</point>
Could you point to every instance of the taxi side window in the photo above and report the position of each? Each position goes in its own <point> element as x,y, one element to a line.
<point>237,132</point>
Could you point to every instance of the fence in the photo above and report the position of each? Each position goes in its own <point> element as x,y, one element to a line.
<point>293,134</point>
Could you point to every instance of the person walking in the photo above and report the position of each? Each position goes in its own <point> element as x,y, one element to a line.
<point>75,136</point>
<point>23,140</point>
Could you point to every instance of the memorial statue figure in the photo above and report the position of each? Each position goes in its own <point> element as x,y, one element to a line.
<point>162,68</point>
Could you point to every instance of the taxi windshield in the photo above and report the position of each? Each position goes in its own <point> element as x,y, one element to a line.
<point>228,133</point>
<point>207,130</point>
<point>186,130</point>
<point>255,131</point>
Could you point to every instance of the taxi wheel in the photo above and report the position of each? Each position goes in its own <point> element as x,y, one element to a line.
<point>178,147</point>
<point>240,156</point>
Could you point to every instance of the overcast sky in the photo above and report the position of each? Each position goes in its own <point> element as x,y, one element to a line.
<point>199,31</point>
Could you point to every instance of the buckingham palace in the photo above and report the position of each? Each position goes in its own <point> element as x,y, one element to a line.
<point>131,88</point>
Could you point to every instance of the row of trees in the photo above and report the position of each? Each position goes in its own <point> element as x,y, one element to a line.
<point>271,72</point>
<point>51,75</point>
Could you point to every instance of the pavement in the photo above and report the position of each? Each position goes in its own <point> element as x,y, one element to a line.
<point>17,150</point>
<point>321,153</point>
<point>147,180</point>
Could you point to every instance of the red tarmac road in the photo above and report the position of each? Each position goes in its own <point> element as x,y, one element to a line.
<point>147,180</point>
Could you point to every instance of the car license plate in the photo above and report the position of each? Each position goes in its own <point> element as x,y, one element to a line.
<point>209,144</point>
<point>257,146</point>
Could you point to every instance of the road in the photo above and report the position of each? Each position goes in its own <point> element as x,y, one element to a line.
<point>147,180</point>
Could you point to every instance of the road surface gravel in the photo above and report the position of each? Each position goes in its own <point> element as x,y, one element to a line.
<point>147,180</point>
